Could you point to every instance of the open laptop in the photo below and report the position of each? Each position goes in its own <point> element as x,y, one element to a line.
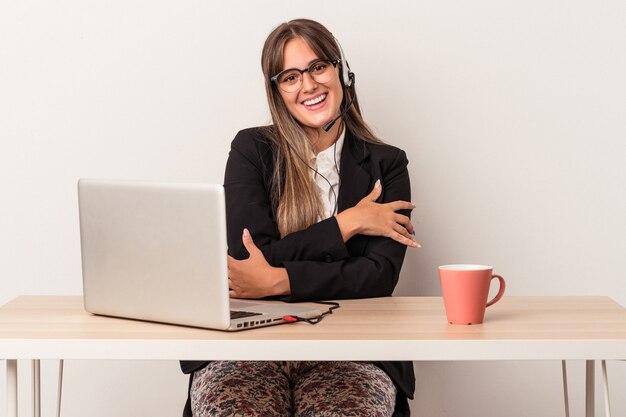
<point>158,252</point>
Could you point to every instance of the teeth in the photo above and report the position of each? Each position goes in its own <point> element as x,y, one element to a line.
<point>315,100</point>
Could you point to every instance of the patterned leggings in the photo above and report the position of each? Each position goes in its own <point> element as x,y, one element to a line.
<point>284,389</point>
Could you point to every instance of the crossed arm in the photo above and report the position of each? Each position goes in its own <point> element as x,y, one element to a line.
<point>315,263</point>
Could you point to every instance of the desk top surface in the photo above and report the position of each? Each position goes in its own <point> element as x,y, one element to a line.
<point>371,329</point>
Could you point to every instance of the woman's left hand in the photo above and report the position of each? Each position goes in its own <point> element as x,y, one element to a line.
<point>255,277</point>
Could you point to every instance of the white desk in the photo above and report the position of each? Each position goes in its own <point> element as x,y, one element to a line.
<point>395,328</point>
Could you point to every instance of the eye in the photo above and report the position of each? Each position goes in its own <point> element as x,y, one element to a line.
<point>289,78</point>
<point>318,67</point>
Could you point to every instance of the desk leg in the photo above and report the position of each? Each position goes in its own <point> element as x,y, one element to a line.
<point>11,388</point>
<point>60,388</point>
<point>590,389</point>
<point>565,389</point>
<point>605,380</point>
<point>36,388</point>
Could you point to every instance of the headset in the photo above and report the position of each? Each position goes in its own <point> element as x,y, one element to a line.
<point>347,76</point>
<point>347,82</point>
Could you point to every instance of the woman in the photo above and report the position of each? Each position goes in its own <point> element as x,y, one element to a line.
<point>317,209</point>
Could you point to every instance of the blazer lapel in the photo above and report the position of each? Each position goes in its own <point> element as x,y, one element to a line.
<point>355,179</point>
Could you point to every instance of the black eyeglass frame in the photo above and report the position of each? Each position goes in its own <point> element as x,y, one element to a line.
<point>334,63</point>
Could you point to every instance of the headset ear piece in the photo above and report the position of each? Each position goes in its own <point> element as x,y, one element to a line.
<point>350,82</point>
<point>347,76</point>
<point>344,73</point>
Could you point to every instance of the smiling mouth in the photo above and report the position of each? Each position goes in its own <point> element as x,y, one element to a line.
<point>314,101</point>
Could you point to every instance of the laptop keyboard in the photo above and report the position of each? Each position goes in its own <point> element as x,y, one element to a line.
<point>242,314</point>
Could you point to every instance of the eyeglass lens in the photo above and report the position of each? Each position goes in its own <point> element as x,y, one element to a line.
<point>291,80</point>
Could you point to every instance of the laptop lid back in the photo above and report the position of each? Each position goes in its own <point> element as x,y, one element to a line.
<point>155,251</point>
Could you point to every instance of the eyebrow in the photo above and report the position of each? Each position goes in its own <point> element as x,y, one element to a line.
<point>307,65</point>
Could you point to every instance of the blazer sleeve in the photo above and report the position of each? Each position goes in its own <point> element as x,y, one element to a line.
<point>372,270</point>
<point>247,184</point>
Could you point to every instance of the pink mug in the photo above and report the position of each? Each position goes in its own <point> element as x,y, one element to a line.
<point>465,290</point>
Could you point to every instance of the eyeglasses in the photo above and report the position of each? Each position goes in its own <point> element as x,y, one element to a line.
<point>290,80</point>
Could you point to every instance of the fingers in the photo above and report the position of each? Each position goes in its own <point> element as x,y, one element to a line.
<point>401,205</point>
<point>248,243</point>
<point>232,267</point>
<point>406,222</point>
<point>234,289</point>
<point>401,238</point>
<point>375,193</point>
<point>403,231</point>
<point>235,294</point>
<point>398,228</point>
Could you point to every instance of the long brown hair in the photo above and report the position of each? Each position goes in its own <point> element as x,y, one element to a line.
<point>295,192</point>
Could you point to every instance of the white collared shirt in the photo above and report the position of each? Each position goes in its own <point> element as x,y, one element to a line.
<point>327,164</point>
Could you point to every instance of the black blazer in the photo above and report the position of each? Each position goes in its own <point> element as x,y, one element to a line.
<point>319,264</point>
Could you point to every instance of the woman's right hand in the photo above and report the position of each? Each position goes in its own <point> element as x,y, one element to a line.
<point>376,219</point>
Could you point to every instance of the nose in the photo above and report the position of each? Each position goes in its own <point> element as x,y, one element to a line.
<point>308,83</point>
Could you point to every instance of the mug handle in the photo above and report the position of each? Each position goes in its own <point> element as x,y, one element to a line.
<point>500,292</point>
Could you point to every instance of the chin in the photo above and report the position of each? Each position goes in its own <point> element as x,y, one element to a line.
<point>317,122</point>
<point>314,124</point>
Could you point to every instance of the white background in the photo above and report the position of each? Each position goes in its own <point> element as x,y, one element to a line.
<point>511,113</point>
